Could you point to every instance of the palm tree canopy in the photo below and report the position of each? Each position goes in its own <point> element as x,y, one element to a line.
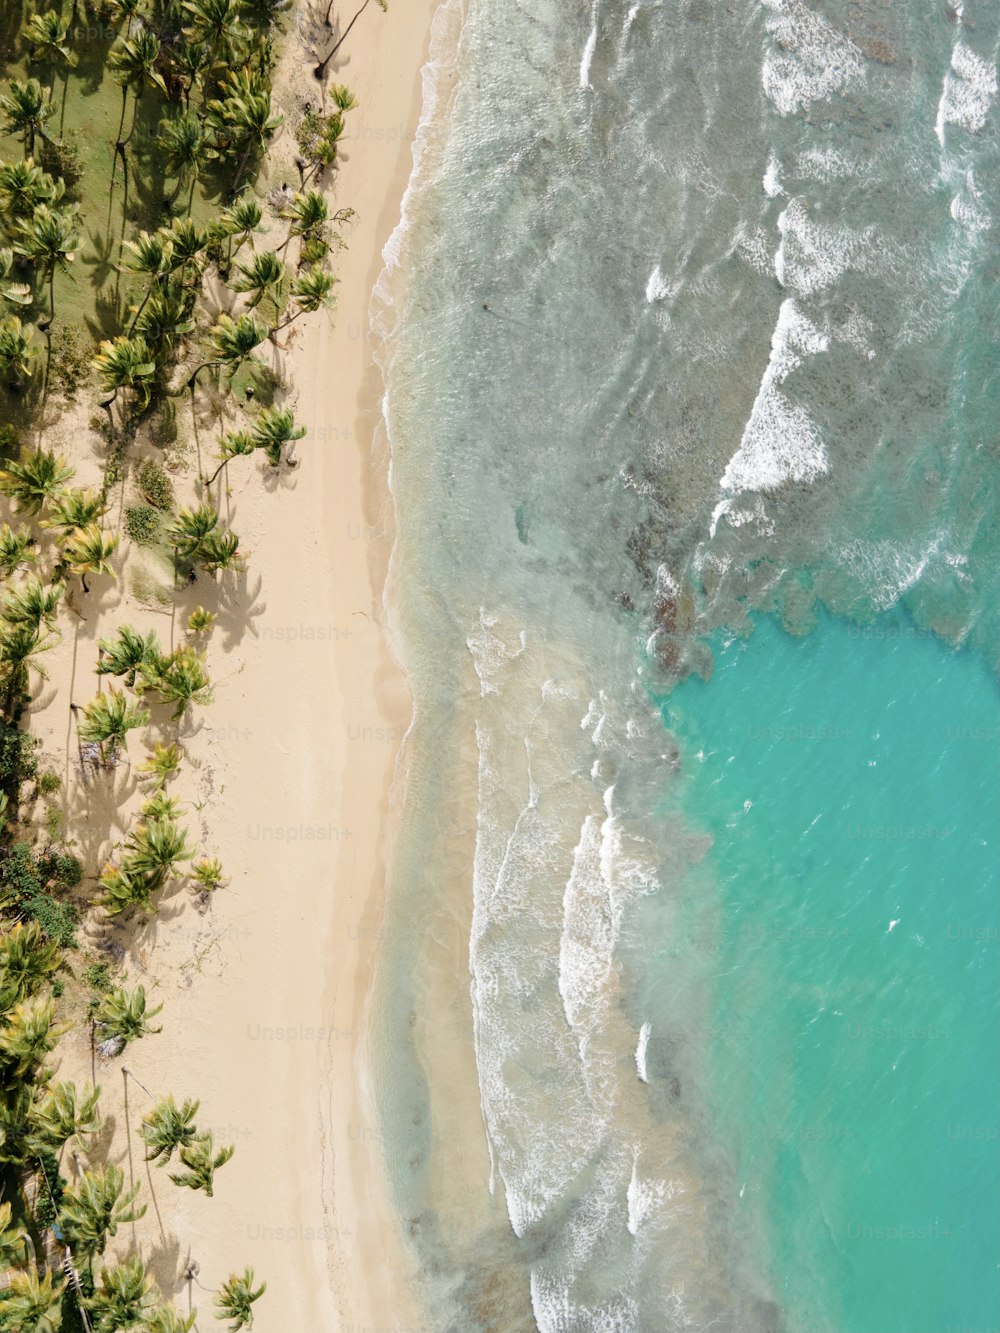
<point>35,479</point>
<point>15,345</point>
<point>134,61</point>
<point>23,186</point>
<point>109,717</point>
<point>76,508</point>
<point>26,109</point>
<point>125,363</point>
<point>89,551</point>
<point>49,237</point>
<point>48,34</point>
<point>235,1299</point>
<point>33,603</point>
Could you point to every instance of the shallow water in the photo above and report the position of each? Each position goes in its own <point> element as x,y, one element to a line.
<point>692,402</point>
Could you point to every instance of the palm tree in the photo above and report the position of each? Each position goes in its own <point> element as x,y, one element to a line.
<point>233,342</point>
<point>34,603</point>
<point>201,621</point>
<point>16,293</point>
<point>125,364</point>
<point>156,847</point>
<point>234,444</point>
<point>19,644</point>
<point>309,215</point>
<point>151,257</point>
<point>310,291</point>
<point>160,806</point>
<point>235,1299</point>
<point>11,1242</point>
<point>262,276</point>
<point>162,764</point>
<point>125,888</point>
<point>63,1114</point>
<point>27,962</point>
<point>165,1319</point>
<point>183,681</point>
<point>320,70</point>
<point>134,63</point>
<point>208,874</point>
<point>107,720</point>
<point>202,1162</point>
<point>189,530</point>
<point>125,1297</point>
<point>168,1126</point>
<point>216,25</point>
<point>50,240</point>
<point>238,223</point>
<point>184,144</point>
<point>126,11</point>
<point>27,112</point>
<point>23,187</point>
<point>32,1304</point>
<point>33,481</point>
<point>243,121</point>
<point>29,1034</point>
<point>73,509</point>
<point>123,1013</point>
<point>221,551</point>
<point>47,35</point>
<point>89,552</point>
<point>166,319</point>
<point>128,653</point>
<point>95,1207</point>
<point>15,352</point>
<point>14,549</point>
<point>274,429</point>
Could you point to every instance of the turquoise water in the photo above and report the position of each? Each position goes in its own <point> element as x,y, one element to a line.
<point>849,781</point>
<point>686,1016</point>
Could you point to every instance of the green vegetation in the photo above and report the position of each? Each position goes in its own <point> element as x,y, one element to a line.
<point>143,271</point>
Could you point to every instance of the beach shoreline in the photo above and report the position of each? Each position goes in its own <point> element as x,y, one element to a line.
<point>265,992</point>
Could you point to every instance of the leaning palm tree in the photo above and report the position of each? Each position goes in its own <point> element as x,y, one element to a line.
<point>15,352</point>
<point>156,848</point>
<point>124,1299</point>
<point>189,530</point>
<point>128,653</point>
<point>124,366</point>
<point>168,1126</point>
<point>12,1248</point>
<point>309,214</point>
<point>15,549</point>
<point>235,1299</point>
<point>49,239</point>
<point>29,1034</point>
<point>63,1114</point>
<point>26,111</point>
<point>233,342</point>
<point>106,721</point>
<point>33,603</point>
<point>19,646</point>
<point>95,1207</point>
<point>162,765</point>
<point>89,551</point>
<point>237,224</point>
<point>27,962</point>
<point>166,319</point>
<point>234,444</point>
<point>184,144</point>
<point>123,889</point>
<point>16,293</point>
<point>150,256</point>
<point>76,508</point>
<point>123,1014</point>
<point>47,36</point>
<point>134,65</point>
<point>243,121</point>
<point>182,681</point>
<point>262,277</point>
<point>311,290</point>
<point>32,1304</point>
<point>35,479</point>
<point>201,1162</point>
<point>275,429</point>
<point>24,187</point>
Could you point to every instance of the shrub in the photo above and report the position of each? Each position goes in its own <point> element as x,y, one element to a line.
<point>142,525</point>
<point>97,977</point>
<point>71,358</point>
<point>155,485</point>
<point>24,883</point>
<point>17,762</point>
<point>49,782</point>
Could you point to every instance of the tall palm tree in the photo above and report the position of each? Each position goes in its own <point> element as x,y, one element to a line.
<point>35,479</point>
<point>182,680</point>
<point>262,277</point>
<point>311,290</point>
<point>235,1300</point>
<point>50,240</point>
<point>166,319</point>
<point>15,352</point>
<point>33,603</point>
<point>89,551</point>
<point>201,1161</point>
<point>16,293</point>
<point>123,1013</point>
<point>32,1304</point>
<point>232,342</point>
<point>190,529</point>
<point>106,721</point>
<point>184,144</point>
<point>156,848</point>
<point>19,646</point>
<point>95,1207</point>
<point>188,242</point>
<point>28,1035</point>
<point>243,121</point>
<point>124,366</point>
<point>217,25</point>
<point>27,962</point>
<point>26,111</point>
<point>47,36</point>
<point>23,187</point>
<point>12,1248</point>
<point>308,213</point>
<point>237,224</point>
<point>63,1114</point>
<point>125,888</point>
<point>234,444</point>
<point>151,257</point>
<point>275,429</point>
<point>320,70</point>
<point>73,509</point>
<point>168,1126</point>
<point>15,549</point>
<point>128,653</point>
<point>134,64</point>
<point>124,1299</point>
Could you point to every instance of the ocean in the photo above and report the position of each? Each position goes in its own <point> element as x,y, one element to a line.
<point>687,1010</point>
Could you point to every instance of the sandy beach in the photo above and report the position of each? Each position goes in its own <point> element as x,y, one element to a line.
<point>288,779</point>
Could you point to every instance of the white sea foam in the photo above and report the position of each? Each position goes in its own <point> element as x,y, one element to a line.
<point>588,57</point>
<point>772,178</point>
<point>657,286</point>
<point>967,95</point>
<point>813,255</point>
<point>887,569</point>
<point>490,651</point>
<point>780,442</point>
<point>640,1052</point>
<point>809,61</point>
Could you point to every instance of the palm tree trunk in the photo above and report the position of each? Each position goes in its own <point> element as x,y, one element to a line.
<point>320,70</point>
<point>52,294</point>
<point>225,463</point>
